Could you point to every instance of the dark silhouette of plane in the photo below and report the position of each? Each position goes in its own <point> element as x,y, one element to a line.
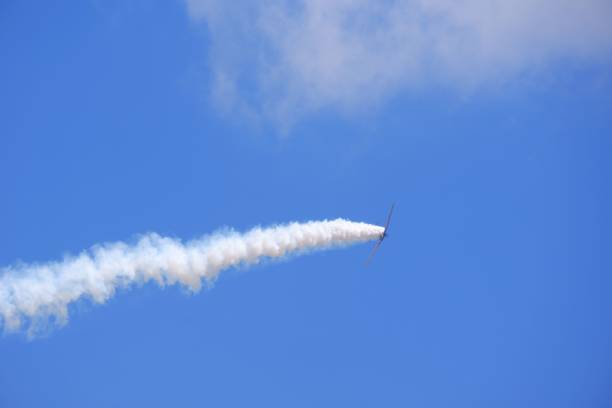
<point>383,235</point>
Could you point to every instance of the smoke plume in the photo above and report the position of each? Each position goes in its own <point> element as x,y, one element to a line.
<point>32,295</point>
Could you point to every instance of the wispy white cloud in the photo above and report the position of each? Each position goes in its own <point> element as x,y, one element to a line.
<point>281,60</point>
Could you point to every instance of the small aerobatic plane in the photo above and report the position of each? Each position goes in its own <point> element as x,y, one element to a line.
<point>383,235</point>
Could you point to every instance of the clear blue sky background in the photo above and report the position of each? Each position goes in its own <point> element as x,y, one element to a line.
<point>493,289</point>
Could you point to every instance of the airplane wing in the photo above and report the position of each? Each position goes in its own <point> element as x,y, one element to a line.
<point>373,251</point>
<point>389,217</point>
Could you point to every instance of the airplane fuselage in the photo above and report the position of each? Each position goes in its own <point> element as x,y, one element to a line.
<point>383,234</point>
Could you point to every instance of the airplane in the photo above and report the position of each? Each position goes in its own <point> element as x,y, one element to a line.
<point>383,235</point>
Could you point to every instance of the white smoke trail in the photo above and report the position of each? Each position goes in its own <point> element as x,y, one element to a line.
<point>34,294</point>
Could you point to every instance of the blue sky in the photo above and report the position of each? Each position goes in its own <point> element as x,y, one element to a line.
<point>122,118</point>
